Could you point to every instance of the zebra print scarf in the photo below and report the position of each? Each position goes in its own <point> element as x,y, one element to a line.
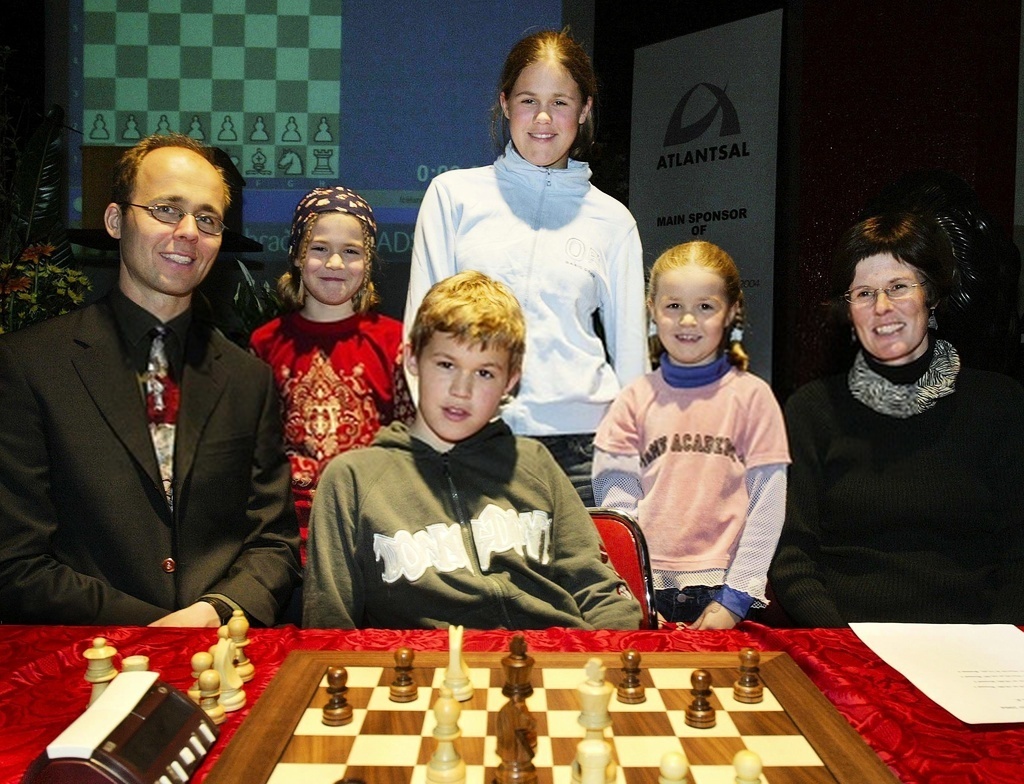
<point>905,400</point>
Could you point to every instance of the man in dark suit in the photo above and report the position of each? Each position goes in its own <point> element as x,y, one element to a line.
<point>94,527</point>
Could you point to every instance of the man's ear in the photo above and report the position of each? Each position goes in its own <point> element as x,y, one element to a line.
<point>112,217</point>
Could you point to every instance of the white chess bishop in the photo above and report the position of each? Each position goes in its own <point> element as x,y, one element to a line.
<point>456,677</point>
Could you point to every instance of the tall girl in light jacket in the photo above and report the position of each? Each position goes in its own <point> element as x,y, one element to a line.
<point>570,253</point>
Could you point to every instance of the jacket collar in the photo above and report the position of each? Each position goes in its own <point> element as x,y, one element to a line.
<point>105,370</point>
<point>574,179</point>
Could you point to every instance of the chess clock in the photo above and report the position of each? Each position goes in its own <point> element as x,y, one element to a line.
<point>138,730</point>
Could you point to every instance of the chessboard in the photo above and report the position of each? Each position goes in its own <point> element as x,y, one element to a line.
<point>797,733</point>
<point>260,84</point>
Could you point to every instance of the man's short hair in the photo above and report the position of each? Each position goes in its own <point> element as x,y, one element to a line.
<point>475,309</point>
<point>126,170</point>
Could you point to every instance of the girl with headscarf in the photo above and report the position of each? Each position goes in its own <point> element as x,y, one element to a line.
<point>337,363</point>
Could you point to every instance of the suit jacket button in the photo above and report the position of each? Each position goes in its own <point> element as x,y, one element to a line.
<point>168,565</point>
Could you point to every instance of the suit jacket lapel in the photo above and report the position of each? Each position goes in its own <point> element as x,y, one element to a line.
<point>202,385</point>
<point>114,388</point>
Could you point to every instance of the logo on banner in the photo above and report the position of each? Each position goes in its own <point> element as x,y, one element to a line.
<point>676,134</point>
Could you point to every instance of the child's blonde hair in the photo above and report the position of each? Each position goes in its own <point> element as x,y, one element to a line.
<point>712,258</point>
<point>475,309</point>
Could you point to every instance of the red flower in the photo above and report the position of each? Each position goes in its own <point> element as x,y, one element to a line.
<point>36,252</point>
<point>18,284</point>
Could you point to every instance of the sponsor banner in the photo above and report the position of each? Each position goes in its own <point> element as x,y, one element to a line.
<point>703,154</point>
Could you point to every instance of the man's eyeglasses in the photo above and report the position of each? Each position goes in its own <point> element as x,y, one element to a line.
<point>863,297</point>
<point>173,215</point>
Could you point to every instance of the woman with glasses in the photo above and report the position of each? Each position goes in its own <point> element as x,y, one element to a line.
<point>906,491</point>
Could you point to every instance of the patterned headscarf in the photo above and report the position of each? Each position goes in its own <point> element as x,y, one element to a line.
<point>321,200</point>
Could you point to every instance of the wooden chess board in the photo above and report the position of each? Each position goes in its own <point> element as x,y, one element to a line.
<point>798,734</point>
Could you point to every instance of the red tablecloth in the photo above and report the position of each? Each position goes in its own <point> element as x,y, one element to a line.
<point>42,688</point>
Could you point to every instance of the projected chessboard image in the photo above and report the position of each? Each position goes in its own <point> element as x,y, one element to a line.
<point>260,84</point>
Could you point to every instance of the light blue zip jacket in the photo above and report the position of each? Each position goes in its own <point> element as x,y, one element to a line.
<point>566,250</point>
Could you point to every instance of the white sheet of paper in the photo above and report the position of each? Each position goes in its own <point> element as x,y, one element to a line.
<point>976,672</point>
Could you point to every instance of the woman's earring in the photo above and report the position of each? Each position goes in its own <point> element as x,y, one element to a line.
<point>652,328</point>
<point>932,323</point>
<point>736,336</point>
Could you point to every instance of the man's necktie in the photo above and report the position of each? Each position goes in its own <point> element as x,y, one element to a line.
<point>162,398</point>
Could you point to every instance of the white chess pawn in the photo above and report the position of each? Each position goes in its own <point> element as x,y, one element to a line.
<point>323,132</point>
<point>227,130</point>
<point>99,670</point>
<point>456,677</point>
<point>232,697</point>
<point>209,694</point>
<point>674,768</point>
<point>748,767</point>
<point>201,662</point>
<point>446,766</point>
<point>259,131</point>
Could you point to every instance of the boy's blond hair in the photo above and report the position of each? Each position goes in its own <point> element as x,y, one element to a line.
<point>473,308</point>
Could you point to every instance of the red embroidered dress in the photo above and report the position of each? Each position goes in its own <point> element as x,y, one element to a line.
<point>339,382</point>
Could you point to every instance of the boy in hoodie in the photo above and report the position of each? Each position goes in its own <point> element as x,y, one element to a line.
<point>453,520</point>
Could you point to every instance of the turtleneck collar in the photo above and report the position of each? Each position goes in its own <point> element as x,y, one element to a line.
<point>690,376</point>
<point>903,374</point>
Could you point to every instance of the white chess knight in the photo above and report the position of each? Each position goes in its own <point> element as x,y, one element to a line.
<point>594,695</point>
<point>232,696</point>
<point>456,677</point>
<point>446,766</point>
